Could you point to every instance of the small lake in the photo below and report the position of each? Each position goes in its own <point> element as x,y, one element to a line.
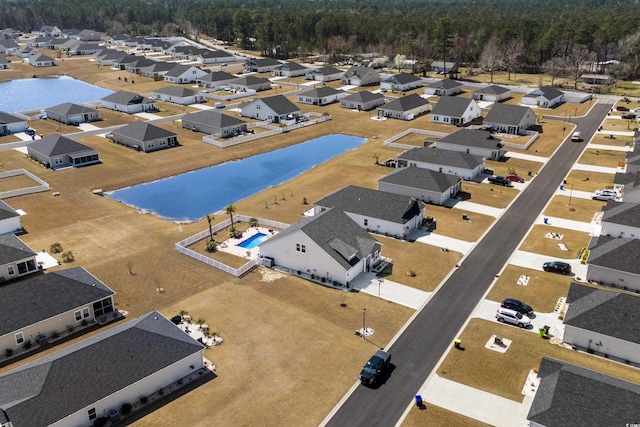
<point>37,94</point>
<point>193,195</point>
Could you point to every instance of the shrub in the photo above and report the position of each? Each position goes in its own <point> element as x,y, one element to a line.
<point>56,248</point>
<point>411,273</point>
<point>84,322</point>
<point>100,422</point>
<point>323,280</point>
<point>67,256</point>
<point>212,245</point>
<point>125,408</point>
<point>161,391</point>
<point>335,283</point>
<point>313,277</point>
<point>253,222</point>
<point>27,344</point>
<point>69,328</point>
<point>144,399</point>
<point>55,335</point>
<point>8,352</point>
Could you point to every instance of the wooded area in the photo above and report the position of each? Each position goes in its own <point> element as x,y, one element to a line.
<point>524,35</point>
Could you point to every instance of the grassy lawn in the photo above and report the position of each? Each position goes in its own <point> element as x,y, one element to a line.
<point>438,417</point>
<point>608,158</point>
<point>588,181</point>
<point>620,125</point>
<point>617,140</point>
<point>16,182</point>
<point>541,293</point>
<point>549,139</point>
<point>537,242</point>
<point>579,209</point>
<point>416,139</point>
<point>505,374</point>
<point>492,195</point>
<point>566,109</point>
<point>449,223</point>
<point>520,166</point>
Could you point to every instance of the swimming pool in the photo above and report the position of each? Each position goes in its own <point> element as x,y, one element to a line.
<point>193,195</point>
<point>37,94</point>
<point>252,241</point>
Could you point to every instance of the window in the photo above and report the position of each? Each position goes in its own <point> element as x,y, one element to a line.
<point>258,107</point>
<point>10,270</point>
<point>102,307</point>
<point>301,248</point>
<point>81,314</point>
<point>366,222</point>
<point>92,414</point>
<point>19,338</point>
<point>26,266</point>
<point>58,161</point>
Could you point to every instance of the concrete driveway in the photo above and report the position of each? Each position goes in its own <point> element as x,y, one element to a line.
<point>535,261</point>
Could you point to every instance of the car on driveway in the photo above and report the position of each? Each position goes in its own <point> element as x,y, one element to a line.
<point>604,195</point>
<point>514,177</point>
<point>629,116</point>
<point>621,108</point>
<point>500,180</point>
<point>557,267</point>
<point>378,363</point>
<point>505,315</point>
<point>517,305</point>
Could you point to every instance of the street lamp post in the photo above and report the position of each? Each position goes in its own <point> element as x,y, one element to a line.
<point>364,323</point>
<point>570,193</point>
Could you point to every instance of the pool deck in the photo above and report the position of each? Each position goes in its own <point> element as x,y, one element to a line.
<point>230,245</point>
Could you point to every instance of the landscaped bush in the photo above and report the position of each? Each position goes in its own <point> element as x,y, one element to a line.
<point>8,352</point>
<point>212,245</point>
<point>100,422</point>
<point>27,344</point>
<point>84,322</point>
<point>69,328</point>
<point>144,399</point>
<point>56,248</point>
<point>55,335</point>
<point>125,408</point>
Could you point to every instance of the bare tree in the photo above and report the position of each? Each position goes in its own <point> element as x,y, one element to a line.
<point>511,55</point>
<point>491,59</point>
<point>554,67</point>
<point>575,62</point>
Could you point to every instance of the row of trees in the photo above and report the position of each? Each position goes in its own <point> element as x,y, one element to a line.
<point>526,33</point>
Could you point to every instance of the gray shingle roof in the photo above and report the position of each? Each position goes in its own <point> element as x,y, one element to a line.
<point>143,131</point>
<point>620,254</point>
<point>68,109</point>
<point>3,59</point>
<point>159,66</point>
<point>6,212</point>
<point>405,103</point>
<point>390,207</point>
<point>337,234</point>
<point>62,383</point>
<point>507,114</point>
<point>569,395</point>
<point>42,296</point>
<point>280,104</point>
<point>445,84</point>
<point>363,96</point>
<point>212,118</point>
<point>424,179</point>
<point>13,249</point>
<point>325,71</point>
<point>442,157</point>
<point>360,72</point>
<point>474,138</point>
<point>612,313</point>
<point>451,106</point>
<point>622,213</point>
<point>629,180</point>
<point>264,62</point>
<point>127,98</point>
<point>175,91</point>
<point>249,81</point>
<point>57,145</point>
<point>179,70</point>
<point>633,157</point>
<point>208,53</point>
<point>403,79</point>
<point>293,66</point>
<point>320,92</point>
<point>492,90</point>
<point>6,118</point>
<point>217,76</point>
<point>547,91</point>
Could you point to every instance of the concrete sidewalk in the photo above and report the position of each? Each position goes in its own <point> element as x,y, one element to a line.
<point>573,193</point>
<point>601,169</point>
<point>592,228</point>
<point>474,207</point>
<point>530,157</point>
<point>610,147</point>
<point>390,291</point>
<point>441,241</point>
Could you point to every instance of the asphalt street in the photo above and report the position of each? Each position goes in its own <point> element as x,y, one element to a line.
<point>417,351</point>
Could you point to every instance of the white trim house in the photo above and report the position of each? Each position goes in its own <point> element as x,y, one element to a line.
<point>421,184</point>
<point>455,111</point>
<point>465,165</point>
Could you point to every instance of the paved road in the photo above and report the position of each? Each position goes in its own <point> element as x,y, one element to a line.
<point>417,351</point>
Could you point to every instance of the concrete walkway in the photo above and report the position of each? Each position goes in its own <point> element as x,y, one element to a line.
<point>566,191</point>
<point>530,157</point>
<point>368,283</point>
<point>600,169</point>
<point>441,241</point>
<point>615,132</point>
<point>487,310</point>
<point>610,147</point>
<point>592,228</point>
<point>474,207</point>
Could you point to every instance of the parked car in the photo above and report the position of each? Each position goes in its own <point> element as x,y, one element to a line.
<point>629,116</point>
<point>30,132</point>
<point>500,180</point>
<point>557,267</point>
<point>505,315</point>
<point>514,177</point>
<point>108,135</point>
<point>378,363</point>
<point>621,108</point>
<point>604,195</point>
<point>517,305</point>
<point>219,105</point>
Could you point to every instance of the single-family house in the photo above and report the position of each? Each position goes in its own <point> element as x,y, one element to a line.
<point>139,64</point>
<point>546,97</point>
<point>214,56</point>
<point>40,60</point>
<point>290,69</point>
<point>455,111</point>
<point>157,70</point>
<point>58,151</point>
<point>16,258</point>
<point>628,186</point>
<point>72,114</point>
<point>621,219</point>
<point>95,378</point>
<point>360,76</point>
<point>324,74</point>
<point>179,95</point>
<point>212,122</point>
<point>362,100</point>
<point>48,30</point>
<point>128,102</point>
<point>216,79</point>
<point>405,108</point>
<point>633,159</point>
<point>491,93</point>
<point>511,119</point>
<point>8,46</point>
<point>613,261</point>
<point>457,163</point>
<point>4,62</point>
<point>441,67</point>
<point>400,82</point>
<point>11,124</point>
<point>89,35</point>
<point>596,79</point>
<point>444,87</point>
<point>85,49</point>
<point>55,301</point>
<point>9,219</point>
<point>379,211</point>
<point>602,320</point>
<point>108,57</point>
<point>275,109</point>
<point>328,245</point>
<point>246,83</point>
<point>261,65</point>
<point>477,142</point>
<point>421,184</point>
<point>11,33</point>
<point>182,74</point>
<point>570,395</point>
<point>321,96</point>
<point>145,137</point>
<point>26,52</point>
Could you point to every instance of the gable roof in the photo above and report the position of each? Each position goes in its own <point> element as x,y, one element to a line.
<point>337,234</point>
<point>445,84</point>
<point>451,106</point>
<point>279,104</point>
<point>68,109</point>
<point>3,59</point>
<point>403,79</point>
<point>320,92</point>
<point>179,70</point>
<point>633,157</point>
<point>158,66</point>
<point>328,70</point>
<point>507,114</point>
<point>473,138</point>
<point>217,76</point>
<point>60,384</point>
<point>8,43</point>
<point>620,253</point>
<point>208,53</point>
<point>6,212</point>
<point>360,72</point>
<point>622,213</point>
<point>548,92</point>
<point>127,98</point>
<point>40,58</point>
<point>292,66</point>
<point>363,96</point>
<point>249,81</point>
<point>212,118</point>
<point>264,62</point>
<point>569,395</point>
<point>612,313</point>
<point>176,91</point>
<point>629,180</point>
<point>57,145</point>
<point>143,131</point>
<point>405,103</point>
<point>492,90</point>
<point>387,206</point>
<point>13,249</point>
<point>442,157</point>
<point>6,118</point>
<point>424,179</point>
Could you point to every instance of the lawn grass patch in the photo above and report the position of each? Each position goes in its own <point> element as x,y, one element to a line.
<point>537,242</point>
<point>617,140</point>
<point>435,416</point>
<point>449,222</point>
<point>549,139</point>
<point>607,158</point>
<point>496,196</point>
<point>583,180</point>
<point>579,210</point>
<point>519,166</point>
<point>16,182</point>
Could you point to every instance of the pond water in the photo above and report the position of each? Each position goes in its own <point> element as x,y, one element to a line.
<point>193,195</point>
<point>36,94</point>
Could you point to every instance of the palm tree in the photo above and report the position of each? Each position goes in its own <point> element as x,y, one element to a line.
<point>209,219</point>
<point>231,209</point>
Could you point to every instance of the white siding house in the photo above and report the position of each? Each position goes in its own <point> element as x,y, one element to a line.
<point>465,165</point>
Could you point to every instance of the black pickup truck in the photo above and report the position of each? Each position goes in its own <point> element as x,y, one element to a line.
<point>500,180</point>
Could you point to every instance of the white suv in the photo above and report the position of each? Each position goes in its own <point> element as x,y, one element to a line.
<point>505,315</point>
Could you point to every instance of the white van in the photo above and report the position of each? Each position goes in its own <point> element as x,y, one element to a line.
<point>219,105</point>
<point>576,137</point>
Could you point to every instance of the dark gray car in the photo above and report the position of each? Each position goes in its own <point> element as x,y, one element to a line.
<point>378,363</point>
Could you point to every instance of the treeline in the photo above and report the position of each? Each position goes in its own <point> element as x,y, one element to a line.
<point>527,34</point>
